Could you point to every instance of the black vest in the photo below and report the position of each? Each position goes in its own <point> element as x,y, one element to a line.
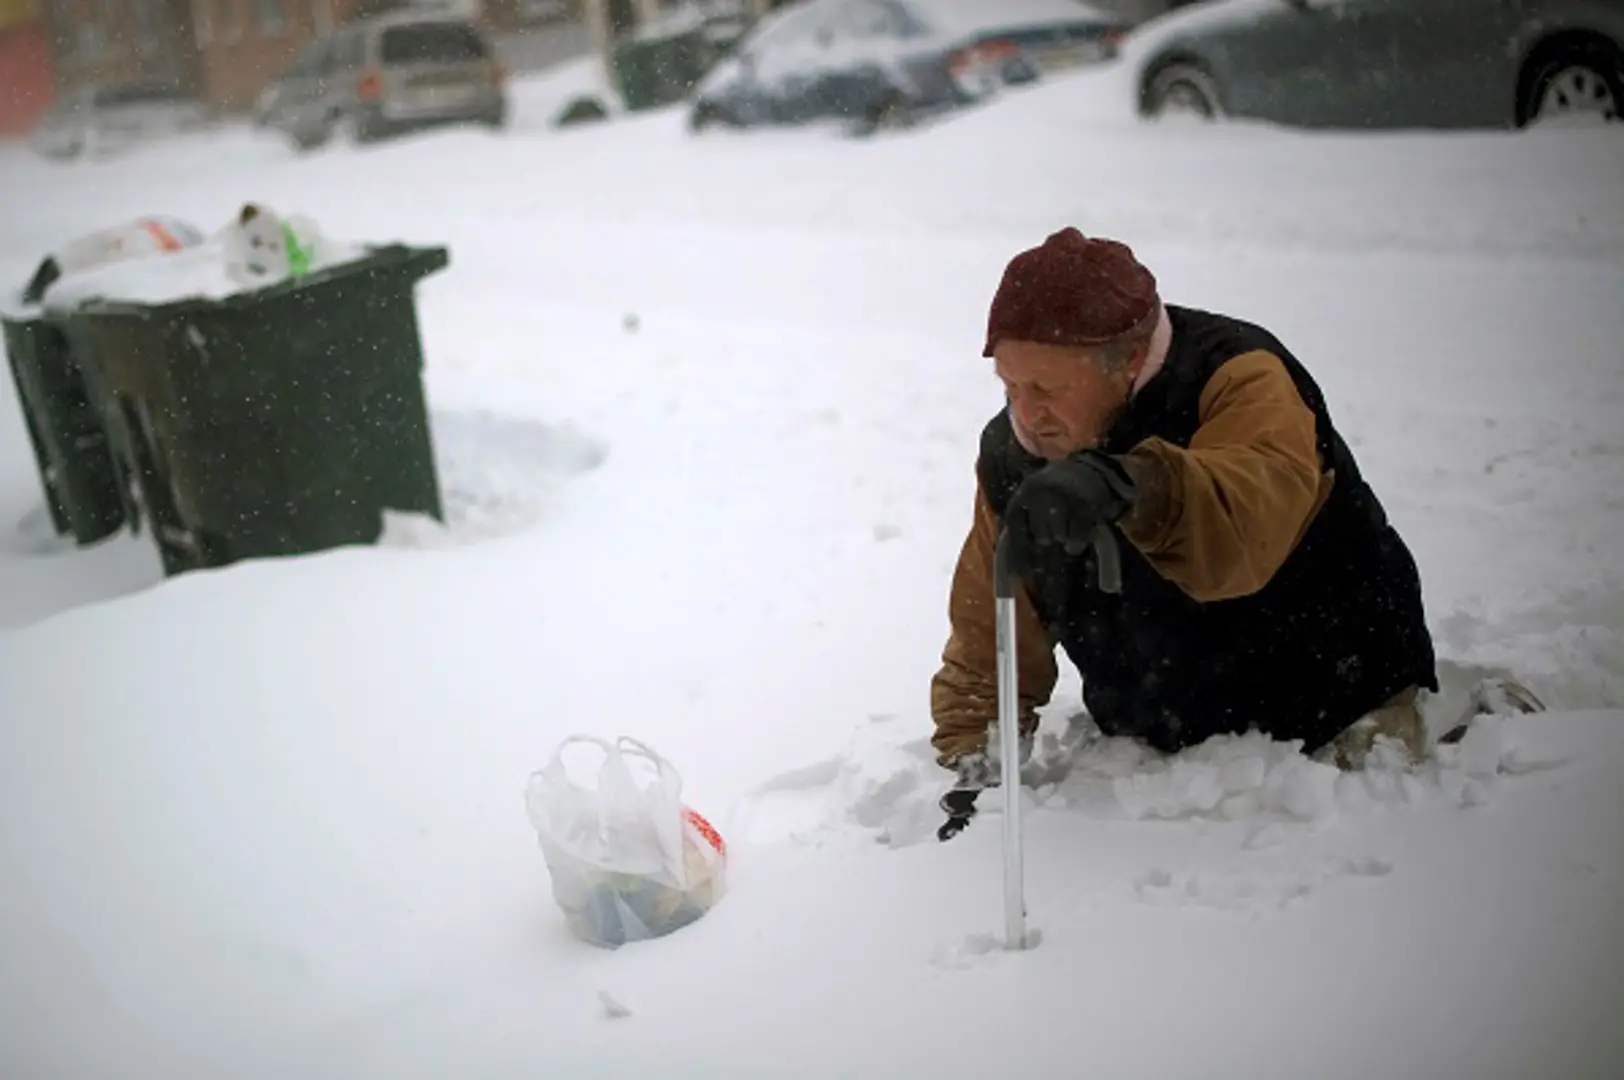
<point>1338,631</point>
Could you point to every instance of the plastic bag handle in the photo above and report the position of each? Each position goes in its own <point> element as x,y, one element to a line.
<point>660,763</point>
<point>669,776</point>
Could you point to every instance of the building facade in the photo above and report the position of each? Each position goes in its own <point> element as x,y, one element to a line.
<point>27,80</point>
<point>225,50</point>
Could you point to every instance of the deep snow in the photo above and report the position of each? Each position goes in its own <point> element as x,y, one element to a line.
<point>268,821</point>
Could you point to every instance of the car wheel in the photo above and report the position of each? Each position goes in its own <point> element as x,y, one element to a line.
<point>1575,84</point>
<point>307,138</point>
<point>1182,91</point>
<point>359,130</point>
<point>703,117</point>
<point>889,113</point>
<point>582,110</point>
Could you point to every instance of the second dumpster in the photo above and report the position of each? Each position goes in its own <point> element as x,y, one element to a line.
<point>280,421</point>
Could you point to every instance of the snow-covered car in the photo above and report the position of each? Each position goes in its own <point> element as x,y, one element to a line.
<point>105,119</point>
<point>1384,63</point>
<point>877,63</point>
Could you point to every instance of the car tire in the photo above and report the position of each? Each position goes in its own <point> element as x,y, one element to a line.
<point>1182,90</point>
<point>360,129</point>
<point>1573,81</point>
<point>888,113</point>
<point>581,110</point>
<point>702,117</point>
<point>306,139</point>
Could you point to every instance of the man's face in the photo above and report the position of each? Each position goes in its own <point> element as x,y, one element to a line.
<point>1061,399</point>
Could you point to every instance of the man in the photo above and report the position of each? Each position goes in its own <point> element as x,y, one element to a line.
<point>1262,586</point>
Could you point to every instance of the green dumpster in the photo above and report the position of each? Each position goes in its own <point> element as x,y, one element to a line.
<point>76,468</point>
<point>276,422</point>
<point>659,70</point>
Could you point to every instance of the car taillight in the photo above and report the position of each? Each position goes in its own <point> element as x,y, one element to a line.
<point>370,88</point>
<point>983,54</point>
<point>1113,38</point>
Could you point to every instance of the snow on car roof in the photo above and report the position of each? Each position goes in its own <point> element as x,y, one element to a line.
<point>959,17</point>
<point>1154,32</point>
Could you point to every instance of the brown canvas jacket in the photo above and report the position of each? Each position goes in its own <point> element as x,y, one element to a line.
<point>1218,519</point>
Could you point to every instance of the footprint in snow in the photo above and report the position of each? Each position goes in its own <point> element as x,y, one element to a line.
<point>612,1007</point>
<point>977,950</point>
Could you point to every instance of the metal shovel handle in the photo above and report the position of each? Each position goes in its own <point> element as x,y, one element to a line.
<point>960,803</point>
<point>1009,746</point>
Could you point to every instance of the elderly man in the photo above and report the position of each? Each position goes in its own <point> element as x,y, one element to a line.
<point>1262,586</point>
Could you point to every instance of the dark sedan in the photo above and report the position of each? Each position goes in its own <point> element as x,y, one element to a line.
<point>879,63</point>
<point>1385,63</point>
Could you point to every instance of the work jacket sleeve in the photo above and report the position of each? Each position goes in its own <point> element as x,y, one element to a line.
<point>964,691</point>
<point>1220,517</point>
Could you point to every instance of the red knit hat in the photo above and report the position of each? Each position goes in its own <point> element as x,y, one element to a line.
<point>1073,290</point>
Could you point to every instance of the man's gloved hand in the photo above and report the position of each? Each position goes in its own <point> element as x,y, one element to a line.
<point>974,773</point>
<point>1062,504</point>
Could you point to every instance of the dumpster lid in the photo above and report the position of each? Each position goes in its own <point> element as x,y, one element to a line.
<point>196,273</point>
<point>191,282</point>
<point>12,308</point>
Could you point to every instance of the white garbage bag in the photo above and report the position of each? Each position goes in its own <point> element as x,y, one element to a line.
<point>628,859</point>
<point>152,235</point>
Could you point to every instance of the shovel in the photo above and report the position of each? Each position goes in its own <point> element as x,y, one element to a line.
<point>960,802</point>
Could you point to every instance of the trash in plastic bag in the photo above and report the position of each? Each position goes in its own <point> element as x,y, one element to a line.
<point>155,234</point>
<point>261,247</point>
<point>628,860</point>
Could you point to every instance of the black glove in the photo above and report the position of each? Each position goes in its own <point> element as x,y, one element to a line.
<point>1062,504</point>
<point>974,773</point>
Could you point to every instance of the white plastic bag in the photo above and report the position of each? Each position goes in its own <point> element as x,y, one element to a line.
<point>152,235</point>
<point>628,860</point>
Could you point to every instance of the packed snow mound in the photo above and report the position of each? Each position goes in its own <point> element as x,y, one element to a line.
<point>498,476</point>
<point>1567,647</point>
<point>885,787</point>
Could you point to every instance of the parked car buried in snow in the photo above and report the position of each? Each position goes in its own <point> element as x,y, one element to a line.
<point>878,63</point>
<point>386,76</point>
<point>105,119</point>
<point>1384,63</point>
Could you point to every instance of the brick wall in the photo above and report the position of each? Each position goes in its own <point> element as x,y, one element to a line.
<point>223,50</point>
<point>242,43</point>
<point>27,86</point>
<point>95,41</point>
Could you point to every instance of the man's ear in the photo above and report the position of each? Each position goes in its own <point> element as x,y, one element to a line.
<point>1137,362</point>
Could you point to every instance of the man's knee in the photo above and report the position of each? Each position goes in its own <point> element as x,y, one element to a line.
<point>1399,720</point>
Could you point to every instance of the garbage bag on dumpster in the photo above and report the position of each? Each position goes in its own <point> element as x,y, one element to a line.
<point>628,861</point>
<point>133,239</point>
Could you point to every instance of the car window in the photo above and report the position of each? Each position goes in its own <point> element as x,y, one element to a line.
<point>793,29</point>
<point>439,43</point>
<point>343,54</point>
<point>309,61</point>
<point>866,20</point>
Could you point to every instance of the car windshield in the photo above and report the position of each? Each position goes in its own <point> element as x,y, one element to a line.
<point>431,42</point>
<point>788,28</point>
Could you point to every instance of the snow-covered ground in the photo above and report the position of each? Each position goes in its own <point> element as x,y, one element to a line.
<point>706,411</point>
